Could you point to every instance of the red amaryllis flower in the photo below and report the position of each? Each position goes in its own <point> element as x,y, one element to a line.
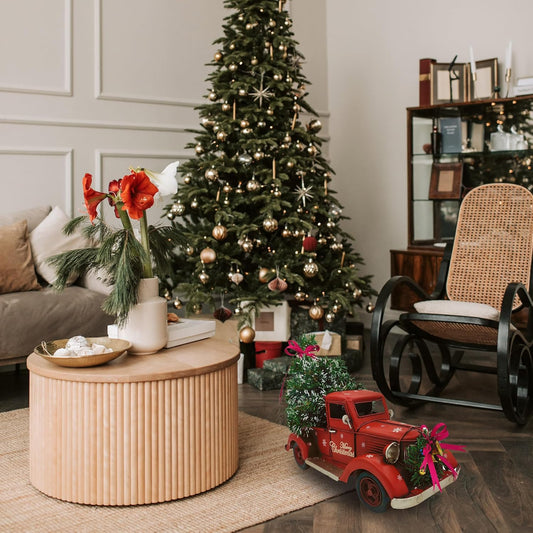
<point>137,192</point>
<point>114,189</point>
<point>92,197</point>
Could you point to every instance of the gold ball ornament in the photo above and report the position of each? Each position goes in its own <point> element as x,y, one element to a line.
<point>310,269</point>
<point>204,277</point>
<point>219,232</point>
<point>370,307</point>
<point>197,309</point>
<point>264,274</point>
<point>211,174</point>
<point>300,296</point>
<point>314,126</point>
<point>316,312</point>
<point>286,232</point>
<point>253,185</point>
<point>247,335</point>
<point>199,149</point>
<point>242,92</point>
<point>222,135</point>
<point>178,303</point>
<point>226,106</point>
<point>254,61</point>
<point>244,123</point>
<point>194,203</point>
<point>189,250</point>
<point>208,255</point>
<point>187,179</point>
<point>218,55</point>
<point>357,293</point>
<point>330,317</point>
<point>247,245</point>
<point>232,67</point>
<point>213,96</point>
<point>270,224</point>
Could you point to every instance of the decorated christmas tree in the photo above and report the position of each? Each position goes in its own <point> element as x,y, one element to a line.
<point>256,217</point>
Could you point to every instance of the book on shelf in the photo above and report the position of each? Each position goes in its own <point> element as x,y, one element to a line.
<point>451,135</point>
<point>425,81</point>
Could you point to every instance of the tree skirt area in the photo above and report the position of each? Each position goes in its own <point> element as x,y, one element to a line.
<point>267,484</point>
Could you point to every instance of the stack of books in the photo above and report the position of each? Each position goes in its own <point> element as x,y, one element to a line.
<point>523,86</point>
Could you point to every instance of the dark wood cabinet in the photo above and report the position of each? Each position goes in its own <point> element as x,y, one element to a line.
<point>420,265</point>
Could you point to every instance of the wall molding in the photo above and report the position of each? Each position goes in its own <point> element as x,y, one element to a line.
<point>44,121</point>
<point>67,153</point>
<point>67,81</point>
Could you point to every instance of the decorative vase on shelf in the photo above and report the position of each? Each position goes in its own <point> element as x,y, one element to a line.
<point>146,325</point>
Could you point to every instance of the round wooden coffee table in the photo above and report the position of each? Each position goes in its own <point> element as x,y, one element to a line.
<point>140,429</point>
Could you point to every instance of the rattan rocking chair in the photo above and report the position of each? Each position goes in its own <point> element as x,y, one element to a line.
<point>484,279</point>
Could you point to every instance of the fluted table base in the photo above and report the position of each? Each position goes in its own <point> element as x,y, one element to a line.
<point>132,441</point>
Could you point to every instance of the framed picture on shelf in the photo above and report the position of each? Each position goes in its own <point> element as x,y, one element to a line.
<point>487,79</point>
<point>445,183</point>
<point>449,83</point>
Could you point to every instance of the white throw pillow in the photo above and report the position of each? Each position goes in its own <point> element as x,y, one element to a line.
<point>48,239</point>
<point>450,307</point>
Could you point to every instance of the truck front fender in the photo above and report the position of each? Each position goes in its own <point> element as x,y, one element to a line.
<point>295,439</point>
<point>388,475</point>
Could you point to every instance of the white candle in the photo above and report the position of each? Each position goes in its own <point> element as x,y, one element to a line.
<point>472,61</point>
<point>508,57</point>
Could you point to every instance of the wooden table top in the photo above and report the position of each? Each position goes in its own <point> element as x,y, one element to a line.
<point>195,358</point>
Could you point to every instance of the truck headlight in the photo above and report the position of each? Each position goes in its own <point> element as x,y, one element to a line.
<point>392,452</point>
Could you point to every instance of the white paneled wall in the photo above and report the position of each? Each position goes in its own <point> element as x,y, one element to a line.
<point>101,85</point>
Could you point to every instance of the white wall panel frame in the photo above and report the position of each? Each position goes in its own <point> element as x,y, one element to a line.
<point>98,75</point>
<point>66,90</point>
<point>67,153</point>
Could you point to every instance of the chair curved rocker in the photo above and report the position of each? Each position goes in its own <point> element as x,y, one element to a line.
<point>484,279</point>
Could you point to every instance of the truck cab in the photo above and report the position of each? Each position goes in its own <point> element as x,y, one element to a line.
<point>361,440</point>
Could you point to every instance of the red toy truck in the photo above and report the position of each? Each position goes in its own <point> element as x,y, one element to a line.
<point>361,440</point>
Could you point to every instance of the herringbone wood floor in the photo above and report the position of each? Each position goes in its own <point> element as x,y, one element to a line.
<point>494,492</point>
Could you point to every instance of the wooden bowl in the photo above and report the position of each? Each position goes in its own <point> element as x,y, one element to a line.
<point>119,346</point>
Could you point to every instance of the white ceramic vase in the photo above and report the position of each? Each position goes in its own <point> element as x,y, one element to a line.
<point>146,325</point>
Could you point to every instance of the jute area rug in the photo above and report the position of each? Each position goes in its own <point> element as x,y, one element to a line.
<point>267,484</point>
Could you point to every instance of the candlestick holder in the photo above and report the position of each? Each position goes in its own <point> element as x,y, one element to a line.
<point>507,81</point>
<point>474,84</point>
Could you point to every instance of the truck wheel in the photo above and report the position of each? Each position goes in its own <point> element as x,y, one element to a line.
<point>371,492</point>
<point>298,457</point>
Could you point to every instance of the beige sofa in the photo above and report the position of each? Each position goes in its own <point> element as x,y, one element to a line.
<point>31,311</point>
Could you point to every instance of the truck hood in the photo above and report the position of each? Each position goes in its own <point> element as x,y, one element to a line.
<point>389,430</point>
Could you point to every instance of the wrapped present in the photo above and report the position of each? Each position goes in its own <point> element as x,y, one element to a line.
<point>264,379</point>
<point>329,342</point>
<point>279,365</point>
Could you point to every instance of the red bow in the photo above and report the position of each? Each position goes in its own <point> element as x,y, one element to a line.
<point>434,450</point>
<point>294,349</point>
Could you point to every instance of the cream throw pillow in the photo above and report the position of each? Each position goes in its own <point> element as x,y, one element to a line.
<point>48,239</point>
<point>17,272</point>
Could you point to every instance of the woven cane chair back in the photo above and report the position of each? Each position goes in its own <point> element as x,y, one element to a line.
<point>493,244</point>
